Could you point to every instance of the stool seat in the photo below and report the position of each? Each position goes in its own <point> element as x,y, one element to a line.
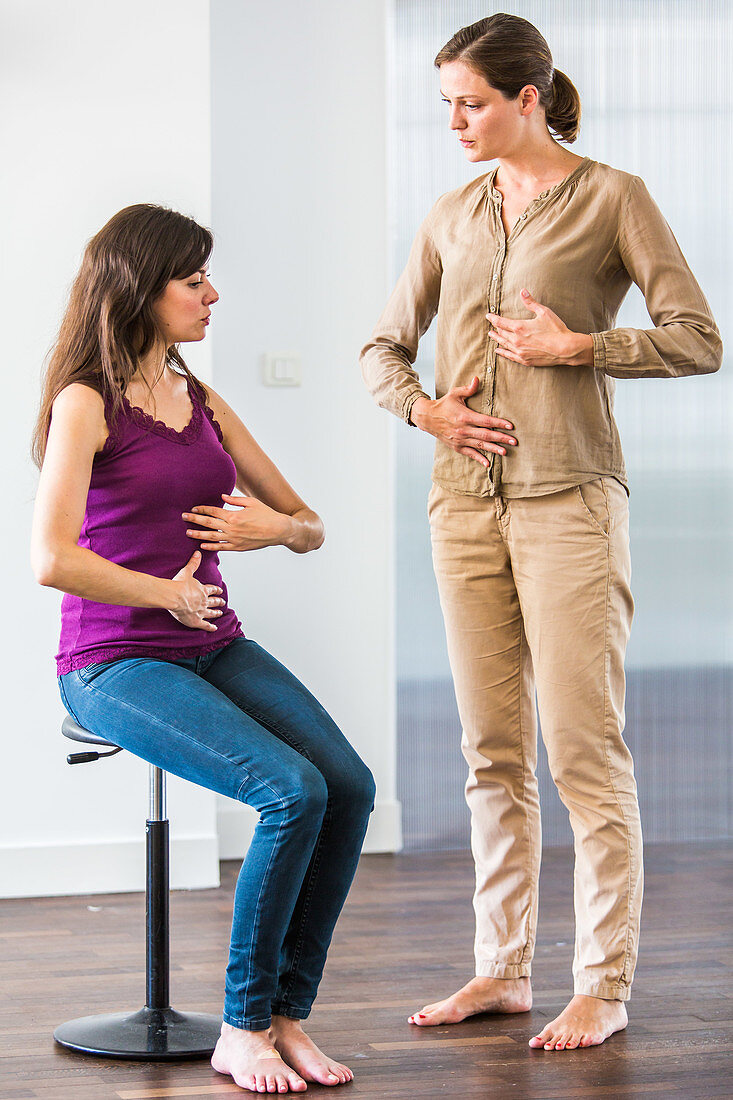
<point>75,732</point>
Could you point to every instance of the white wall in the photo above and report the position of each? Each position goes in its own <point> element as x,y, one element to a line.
<point>105,104</point>
<point>110,106</point>
<point>299,209</point>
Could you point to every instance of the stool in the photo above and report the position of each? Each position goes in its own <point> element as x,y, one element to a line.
<point>156,1032</point>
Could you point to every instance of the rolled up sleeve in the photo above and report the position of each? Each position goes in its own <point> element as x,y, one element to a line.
<point>387,359</point>
<point>685,339</point>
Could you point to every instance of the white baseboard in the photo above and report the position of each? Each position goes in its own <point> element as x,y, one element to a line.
<point>236,824</point>
<point>118,867</point>
<point>114,867</point>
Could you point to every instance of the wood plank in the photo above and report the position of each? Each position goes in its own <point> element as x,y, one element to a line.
<point>404,939</point>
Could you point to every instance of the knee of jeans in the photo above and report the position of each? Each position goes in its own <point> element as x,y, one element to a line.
<point>307,794</point>
<point>356,790</point>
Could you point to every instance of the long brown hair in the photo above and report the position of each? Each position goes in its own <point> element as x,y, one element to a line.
<point>509,53</point>
<point>109,321</point>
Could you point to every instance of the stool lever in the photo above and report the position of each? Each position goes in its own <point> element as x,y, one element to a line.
<point>88,757</point>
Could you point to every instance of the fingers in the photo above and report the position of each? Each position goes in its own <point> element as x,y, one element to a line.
<point>507,353</point>
<point>217,533</point>
<point>213,590</point>
<point>467,391</point>
<point>197,514</point>
<point>505,324</point>
<point>240,502</point>
<point>480,420</point>
<point>484,445</point>
<point>530,302</point>
<point>193,563</point>
<point>205,520</point>
<point>478,456</point>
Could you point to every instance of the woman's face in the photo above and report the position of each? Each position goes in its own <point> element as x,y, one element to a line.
<point>182,310</point>
<point>488,125</point>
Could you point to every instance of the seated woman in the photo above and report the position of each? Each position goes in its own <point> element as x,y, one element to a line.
<point>137,457</point>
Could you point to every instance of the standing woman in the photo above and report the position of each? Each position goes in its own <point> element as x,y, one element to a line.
<point>526,268</point>
<point>137,457</point>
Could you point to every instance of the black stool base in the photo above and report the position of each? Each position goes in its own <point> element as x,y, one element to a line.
<point>150,1035</point>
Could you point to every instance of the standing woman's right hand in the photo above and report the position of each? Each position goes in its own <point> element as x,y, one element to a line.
<point>451,421</point>
<point>195,602</point>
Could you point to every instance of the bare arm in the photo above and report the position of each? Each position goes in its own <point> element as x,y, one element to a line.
<point>270,514</point>
<point>78,431</point>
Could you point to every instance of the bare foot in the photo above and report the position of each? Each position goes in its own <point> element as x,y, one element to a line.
<point>586,1022</point>
<point>303,1054</point>
<point>479,995</point>
<point>250,1058</point>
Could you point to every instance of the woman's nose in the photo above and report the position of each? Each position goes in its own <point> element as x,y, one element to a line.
<point>457,121</point>
<point>211,296</point>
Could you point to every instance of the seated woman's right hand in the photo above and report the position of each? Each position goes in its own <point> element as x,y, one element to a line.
<point>468,432</point>
<point>195,602</point>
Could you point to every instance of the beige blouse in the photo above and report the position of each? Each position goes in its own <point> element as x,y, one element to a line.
<point>577,248</point>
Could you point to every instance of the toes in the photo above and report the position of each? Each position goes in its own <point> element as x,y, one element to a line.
<point>420,1018</point>
<point>297,1084</point>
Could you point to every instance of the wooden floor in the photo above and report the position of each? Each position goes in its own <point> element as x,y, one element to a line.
<point>404,939</point>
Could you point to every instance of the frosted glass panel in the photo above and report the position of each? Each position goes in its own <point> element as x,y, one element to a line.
<point>653,76</point>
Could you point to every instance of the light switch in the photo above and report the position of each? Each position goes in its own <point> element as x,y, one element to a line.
<point>280,369</point>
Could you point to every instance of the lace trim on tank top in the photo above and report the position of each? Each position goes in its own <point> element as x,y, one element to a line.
<point>186,436</point>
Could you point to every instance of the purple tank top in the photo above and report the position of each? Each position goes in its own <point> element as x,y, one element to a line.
<point>145,476</point>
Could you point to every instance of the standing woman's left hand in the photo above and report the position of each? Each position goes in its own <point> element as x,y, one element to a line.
<point>254,526</point>
<point>543,341</point>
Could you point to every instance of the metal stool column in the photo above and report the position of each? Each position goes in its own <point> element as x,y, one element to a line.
<point>157,938</point>
<point>156,1032</point>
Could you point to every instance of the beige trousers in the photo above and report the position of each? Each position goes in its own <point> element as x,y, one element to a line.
<point>536,592</point>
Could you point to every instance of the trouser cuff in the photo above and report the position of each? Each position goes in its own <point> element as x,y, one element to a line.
<point>503,970</point>
<point>248,1023</point>
<point>607,991</point>
<point>290,1011</point>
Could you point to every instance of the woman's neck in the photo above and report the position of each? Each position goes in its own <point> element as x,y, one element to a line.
<point>152,367</point>
<point>534,167</point>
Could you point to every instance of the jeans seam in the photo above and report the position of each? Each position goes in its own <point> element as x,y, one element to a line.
<point>256,923</point>
<point>310,888</point>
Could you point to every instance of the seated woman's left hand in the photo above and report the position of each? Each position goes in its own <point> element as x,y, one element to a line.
<point>543,341</point>
<point>253,526</point>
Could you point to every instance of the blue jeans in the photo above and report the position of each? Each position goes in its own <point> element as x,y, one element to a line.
<point>236,721</point>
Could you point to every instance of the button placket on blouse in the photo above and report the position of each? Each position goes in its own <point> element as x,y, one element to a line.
<point>493,472</point>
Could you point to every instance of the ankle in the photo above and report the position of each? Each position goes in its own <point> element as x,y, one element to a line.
<point>286,1023</point>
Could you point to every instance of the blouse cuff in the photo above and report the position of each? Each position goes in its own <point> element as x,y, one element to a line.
<point>409,402</point>
<point>599,351</point>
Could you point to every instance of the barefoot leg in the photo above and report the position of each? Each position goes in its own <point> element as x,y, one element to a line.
<point>300,1052</point>
<point>479,995</point>
<point>254,1063</point>
<point>585,1022</point>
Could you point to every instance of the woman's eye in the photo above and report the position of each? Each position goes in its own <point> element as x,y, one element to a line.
<point>473,106</point>
<point>200,281</point>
